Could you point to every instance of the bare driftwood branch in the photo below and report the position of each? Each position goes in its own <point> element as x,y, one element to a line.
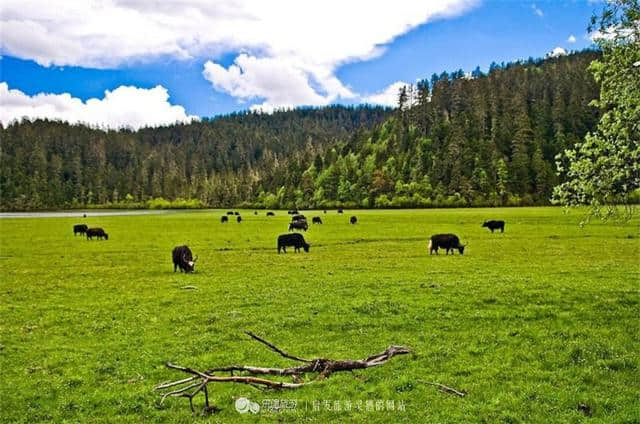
<point>191,386</point>
<point>274,347</point>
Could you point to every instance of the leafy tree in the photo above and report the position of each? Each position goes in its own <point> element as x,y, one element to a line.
<point>502,177</point>
<point>603,170</point>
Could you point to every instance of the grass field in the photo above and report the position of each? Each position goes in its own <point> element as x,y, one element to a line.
<point>530,323</point>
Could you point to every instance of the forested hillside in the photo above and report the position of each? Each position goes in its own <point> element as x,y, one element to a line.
<point>219,161</point>
<point>454,140</point>
<point>459,140</point>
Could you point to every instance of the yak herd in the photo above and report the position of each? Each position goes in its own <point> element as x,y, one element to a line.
<point>90,233</point>
<point>183,257</point>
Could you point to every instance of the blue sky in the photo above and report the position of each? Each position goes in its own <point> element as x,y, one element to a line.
<point>351,59</point>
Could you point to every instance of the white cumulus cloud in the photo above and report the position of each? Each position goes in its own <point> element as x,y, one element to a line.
<point>388,96</point>
<point>558,51</point>
<point>283,41</point>
<point>279,83</point>
<point>571,39</point>
<point>123,107</point>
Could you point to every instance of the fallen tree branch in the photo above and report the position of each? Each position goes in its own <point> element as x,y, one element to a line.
<point>274,347</point>
<point>444,388</point>
<point>252,375</point>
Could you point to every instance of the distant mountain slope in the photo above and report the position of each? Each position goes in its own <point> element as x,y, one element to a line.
<point>455,140</point>
<point>461,140</point>
<point>49,164</point>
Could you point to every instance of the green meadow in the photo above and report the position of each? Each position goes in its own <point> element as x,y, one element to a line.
<point>537,325</point>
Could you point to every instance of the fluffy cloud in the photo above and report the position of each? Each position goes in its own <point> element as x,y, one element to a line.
<point>558,51</point>
<point>388,96</point>
<point>105,33</point>
<point>615,32</point>
<point>279,83</point>
<point>123,107</point>
<point>571,39</point>
<point>286,41</point>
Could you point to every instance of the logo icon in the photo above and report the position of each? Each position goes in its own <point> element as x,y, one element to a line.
<point>244,405</point>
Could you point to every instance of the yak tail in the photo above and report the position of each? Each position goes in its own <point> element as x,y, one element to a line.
<point>430,241</point>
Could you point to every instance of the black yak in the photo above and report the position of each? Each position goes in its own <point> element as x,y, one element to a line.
<point>299,218</point>
<point>271,214</point>
<point>353,220</point>
<point>239,219</point>
<point>224,219</point>
<point>295,240</point>
<point>80,229</point>
<point>494,225</point>
<point>229,212</point>
<point>316,220</point>
<point>340,210</point>
<point>96,232</point>
<point>299,225</point>
<point>447,242</point>
<point>183,259</point>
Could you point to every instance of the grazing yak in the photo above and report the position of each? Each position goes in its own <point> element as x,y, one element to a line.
<point>447,242</point>
<point>353,220</point>
<point>183,259</point>
<point>224,219</point>
<point>340,210</point>
<point>295,240</point>
<point>299,225</point>
<point>255,212</point>
<point>96,232</point>
<point>316,220</point>
<point>299,218</point>
<point>229,212</point>
<point>271,214</point>
<point>494,225</point>
<point>80,229</point>
<point>325,211</point>
<point>239,219</point>
<point>236,213</point>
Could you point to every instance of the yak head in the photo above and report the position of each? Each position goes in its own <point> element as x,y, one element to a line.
<point>461,248</point>
<point>189,265</point>
<point>106,236</point>
<point>485,224</point>
<point>306,247</point>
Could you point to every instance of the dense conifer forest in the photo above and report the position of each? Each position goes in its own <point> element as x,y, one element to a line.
<point>455,139</point>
